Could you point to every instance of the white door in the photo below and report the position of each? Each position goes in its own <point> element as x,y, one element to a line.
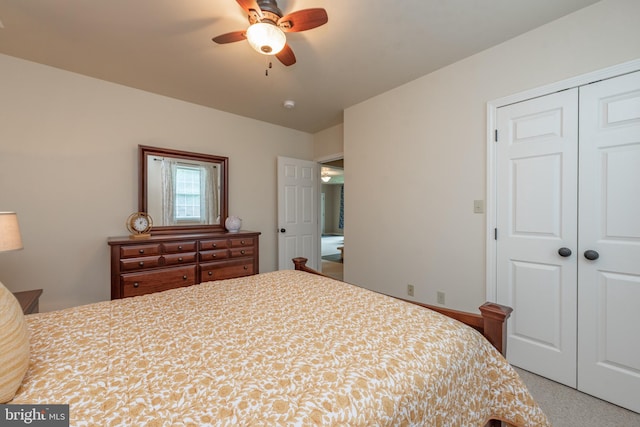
<point>322,213</point>
<point>609,286</point>
<point>536,176</point>
<point>297,212</point>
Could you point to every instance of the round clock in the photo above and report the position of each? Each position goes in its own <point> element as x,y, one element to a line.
<point>139,224</point>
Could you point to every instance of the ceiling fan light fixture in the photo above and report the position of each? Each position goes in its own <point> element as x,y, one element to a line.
<point>266,38</point>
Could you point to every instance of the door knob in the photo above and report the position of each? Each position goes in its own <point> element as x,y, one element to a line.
<point>565,252</point>
<point>283,230</point>
<point>591,255</point>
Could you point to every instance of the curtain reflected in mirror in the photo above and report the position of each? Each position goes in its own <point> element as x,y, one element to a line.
<point>183,191</point>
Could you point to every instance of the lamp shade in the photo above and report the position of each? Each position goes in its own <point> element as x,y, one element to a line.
<point>10,239</point>
<point>266,38</point>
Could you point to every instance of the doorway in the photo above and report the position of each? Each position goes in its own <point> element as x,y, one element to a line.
<point>332,218</point>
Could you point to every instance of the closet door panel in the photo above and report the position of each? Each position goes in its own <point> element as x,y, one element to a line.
<point>536,216</point>
<point>609,224</point>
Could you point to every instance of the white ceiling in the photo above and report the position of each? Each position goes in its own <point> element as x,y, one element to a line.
<point>165,47</point>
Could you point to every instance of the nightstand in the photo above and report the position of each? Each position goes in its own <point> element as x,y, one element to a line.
<point>29,300</point>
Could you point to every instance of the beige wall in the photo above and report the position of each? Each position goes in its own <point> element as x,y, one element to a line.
<point>328,143</point>
<point>68,150</point>
<point>431,136</point>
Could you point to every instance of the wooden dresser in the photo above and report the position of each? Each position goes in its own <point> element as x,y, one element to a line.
<point>170,261</point>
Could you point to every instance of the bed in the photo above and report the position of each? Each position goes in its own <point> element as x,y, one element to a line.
<point>279,348</point>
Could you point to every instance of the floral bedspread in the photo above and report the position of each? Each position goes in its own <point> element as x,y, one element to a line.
<point>280,348</point>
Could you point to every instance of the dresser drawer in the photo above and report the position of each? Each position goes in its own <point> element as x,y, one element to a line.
<point>179,247</point>
<point>158,280</point>
<point>241,241</point>
<point>225,270</point>
<point>166,261</point>
<point>214,255</point>
<point>206,245</point>
<point>177,259</point>
<point>139,250</point>
<point>139,263</point>
<point>240,252</point>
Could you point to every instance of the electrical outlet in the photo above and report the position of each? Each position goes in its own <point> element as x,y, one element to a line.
<point>440,297</point>
<point>410,290</point>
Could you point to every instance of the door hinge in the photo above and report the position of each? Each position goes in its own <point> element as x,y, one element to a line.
<point>496,135</point>
<point>495,234</point>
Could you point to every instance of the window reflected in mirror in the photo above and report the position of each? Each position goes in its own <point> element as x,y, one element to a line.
<point>188,193</point>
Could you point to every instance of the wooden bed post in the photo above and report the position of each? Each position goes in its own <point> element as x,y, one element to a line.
<point>492,322</point>
<point>495,324</point>
<point>299,263</point>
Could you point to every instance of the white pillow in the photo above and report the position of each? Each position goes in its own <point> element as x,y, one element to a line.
<point>14,345</point>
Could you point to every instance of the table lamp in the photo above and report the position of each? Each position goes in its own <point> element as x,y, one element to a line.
<point>10,239</point>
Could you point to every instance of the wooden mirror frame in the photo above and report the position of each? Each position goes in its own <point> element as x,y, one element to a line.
<point>144,151</point>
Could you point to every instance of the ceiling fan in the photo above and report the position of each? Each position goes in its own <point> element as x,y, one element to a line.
<point>268,25</point>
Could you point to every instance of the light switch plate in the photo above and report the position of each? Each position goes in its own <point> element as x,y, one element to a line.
<point>478,206</point>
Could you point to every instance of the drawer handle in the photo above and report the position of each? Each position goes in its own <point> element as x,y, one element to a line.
<point>141,263</point>
<point>180,247</point>
<point>210,273</point>
<point>184,277</point>
<point>242,242</point>
<point>136,285</point>
<point>141,251</point>
<point>214,245</point>
<point>242,252</point>
<point>180,259</point>
<point>245,267</point>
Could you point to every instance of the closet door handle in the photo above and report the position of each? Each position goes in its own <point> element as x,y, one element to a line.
<point>591,255</point>
<point>564,252</point>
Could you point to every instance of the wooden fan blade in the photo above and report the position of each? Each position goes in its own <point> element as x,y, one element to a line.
<point>286,55</point>
<point>249,5</point>
<point>303,20</point>
<point>234,36</point>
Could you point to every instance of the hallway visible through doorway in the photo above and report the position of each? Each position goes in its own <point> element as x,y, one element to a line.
<point>332,217</point>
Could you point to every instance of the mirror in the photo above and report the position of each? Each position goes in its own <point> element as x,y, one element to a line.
<point>182,191</point>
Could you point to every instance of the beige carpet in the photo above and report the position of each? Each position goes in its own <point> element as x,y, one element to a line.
<point>333,269</point>
<point>566,407</point>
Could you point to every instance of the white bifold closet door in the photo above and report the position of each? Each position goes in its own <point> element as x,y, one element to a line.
<point>568,236</point>
<point>609,225</point>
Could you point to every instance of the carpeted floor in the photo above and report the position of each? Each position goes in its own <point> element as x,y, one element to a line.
<point>566,407</point>
<point>333,258</point>
<point>333,269</point>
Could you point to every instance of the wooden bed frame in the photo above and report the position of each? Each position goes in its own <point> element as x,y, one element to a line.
<point>491,322</point>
